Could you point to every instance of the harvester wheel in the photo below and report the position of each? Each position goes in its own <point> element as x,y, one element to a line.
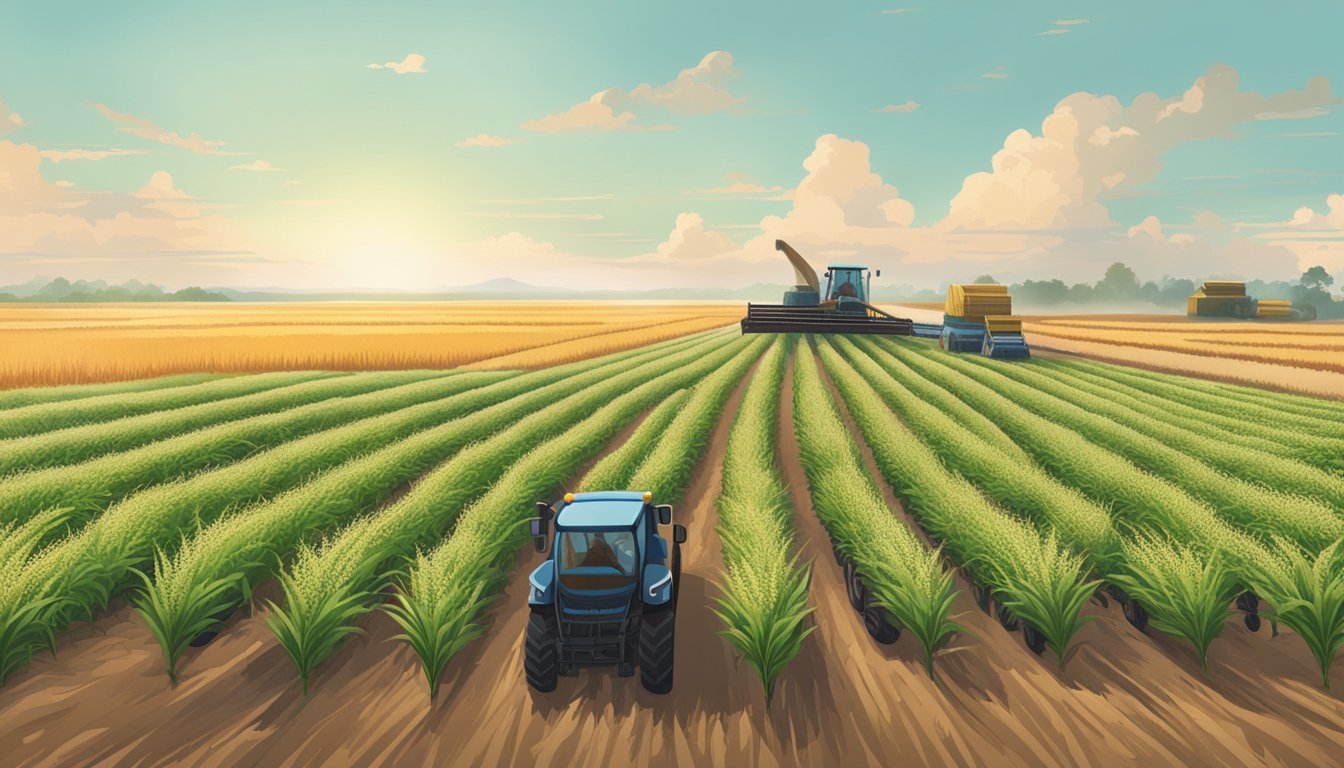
<point>1007,619</point>
<point>541,651</point>
<point>1035,640</point>
<point>878,621</point>
<point>1252,621</point>
<point>1136,614</point>
<point>657,632</point>
<point>853,587</point>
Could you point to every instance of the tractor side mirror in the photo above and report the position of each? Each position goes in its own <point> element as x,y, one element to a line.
<point>679,534</point>
<point>664,514</point>
<point>541,525</point>
<point>879,273</point>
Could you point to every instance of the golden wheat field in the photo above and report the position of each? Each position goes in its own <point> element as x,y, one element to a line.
<point>64,344</point>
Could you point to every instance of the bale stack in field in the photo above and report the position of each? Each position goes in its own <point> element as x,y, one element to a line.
<point>973,302</point>
<point>1274,308</point>
<point>1217,298</point>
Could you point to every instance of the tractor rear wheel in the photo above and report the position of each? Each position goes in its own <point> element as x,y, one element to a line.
<point>853,587</point>
<point>878,621</point>
<point>1035,640</point>
<point>1007,619</point>
<point>1136,614</point>
<point>541,651</point>
<point>657,633</point>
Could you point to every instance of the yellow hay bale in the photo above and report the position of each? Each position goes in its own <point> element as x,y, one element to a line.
<point>973,302</point>
<point>1223,288</point>
<point>1003,324</point>
<point>1286,304</point>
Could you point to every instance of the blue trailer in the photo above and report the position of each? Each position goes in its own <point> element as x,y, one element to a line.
<point>607,593</point>
<point>990,338</point>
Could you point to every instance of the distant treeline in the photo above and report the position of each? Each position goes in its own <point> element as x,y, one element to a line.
<point>1121,285</point>
<point>62,290</point>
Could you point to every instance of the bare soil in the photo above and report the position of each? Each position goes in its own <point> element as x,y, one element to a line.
<point>1125,699</point>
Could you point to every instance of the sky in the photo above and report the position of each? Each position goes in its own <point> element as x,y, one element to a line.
<point>628,145</point>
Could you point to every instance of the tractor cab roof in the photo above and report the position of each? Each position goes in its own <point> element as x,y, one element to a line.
<point>601,511</point>
<point>845,266</point>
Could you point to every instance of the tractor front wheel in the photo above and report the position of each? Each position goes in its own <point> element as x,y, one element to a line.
<point>541,651</point>
<point>657,633</point>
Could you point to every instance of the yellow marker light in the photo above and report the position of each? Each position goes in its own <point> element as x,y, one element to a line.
<point>569,497</point>
<point>648,497</point>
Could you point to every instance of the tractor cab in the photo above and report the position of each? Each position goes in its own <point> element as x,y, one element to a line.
<point>849,285</point>
<point>606,593</point>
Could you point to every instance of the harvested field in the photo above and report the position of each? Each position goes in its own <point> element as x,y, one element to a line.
<point>63,344</point>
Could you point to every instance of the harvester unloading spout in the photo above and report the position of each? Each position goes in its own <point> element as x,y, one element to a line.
<point>807,276</point>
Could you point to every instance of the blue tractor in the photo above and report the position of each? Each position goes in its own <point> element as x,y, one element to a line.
<point>607,593</point>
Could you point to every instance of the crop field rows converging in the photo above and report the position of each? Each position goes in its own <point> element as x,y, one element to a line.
<point>1045,484</point>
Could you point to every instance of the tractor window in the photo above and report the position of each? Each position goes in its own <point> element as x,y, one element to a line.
<point>606,549</point>
<point>846,284</point>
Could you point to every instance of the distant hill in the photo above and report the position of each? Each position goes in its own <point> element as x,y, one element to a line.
<point>97,291</point>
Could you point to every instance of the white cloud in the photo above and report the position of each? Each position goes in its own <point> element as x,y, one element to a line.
<point>528,215</point>
<point>44,224</point>
<point>258,166</point>
<point>485,140</point>
<point>697,90</point>
<point>1052,32</point>
<point>9,121</point>
<point>997,73</point>
<point>906,106</point>
<point>1071,22</point>
<point>1091,147</point>
<point>59,155</point>
<point>413,64</point>
<point>689,241</point>
<point>1314,237</point>
<point>737,184</point>
<point>592,115</point>
<point>148,130</point>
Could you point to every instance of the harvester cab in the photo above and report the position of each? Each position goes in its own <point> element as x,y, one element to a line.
<point>607,593</point>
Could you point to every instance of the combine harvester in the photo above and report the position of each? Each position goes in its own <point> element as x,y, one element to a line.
<point>1227,298</point>
<point>845,308</point>
<point>978,318</point>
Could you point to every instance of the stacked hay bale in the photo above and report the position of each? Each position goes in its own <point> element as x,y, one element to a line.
<point>1219,298</point>
<point>973,303</point>
<point>1275,308</point>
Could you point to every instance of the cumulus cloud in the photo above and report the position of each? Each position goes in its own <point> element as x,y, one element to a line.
<point>1063,26</point>
<point>1091,147</point>
<point>257,166</point>
<point>485,141</point>
<point>738,184</point>
<point>1315,237</point>
<point>148,130</point>
<point>9,121</point>
<point>60,155</point>
<point>698,90</point>
<point>44,223</point>
<point>413,64</point>
<point>906,106</point>
<point>1151,228</point>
